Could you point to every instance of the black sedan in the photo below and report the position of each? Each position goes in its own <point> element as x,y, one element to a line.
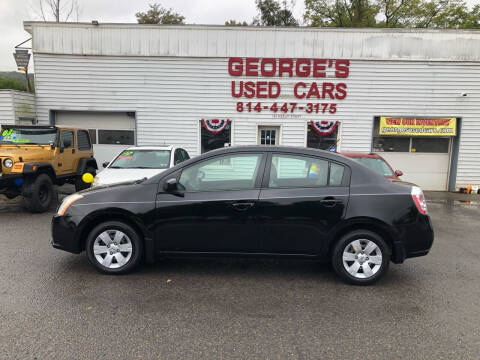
<point>251,201</point>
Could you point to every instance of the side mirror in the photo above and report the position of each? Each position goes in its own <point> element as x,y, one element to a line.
<point>171,185</point>
<point>398,173</point>
<point>105,164</point>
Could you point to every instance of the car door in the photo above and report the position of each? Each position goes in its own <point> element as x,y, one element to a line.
<point>66,152</point>
<point>215,207</point>
<point>83,145</point>
<point>301,200</point>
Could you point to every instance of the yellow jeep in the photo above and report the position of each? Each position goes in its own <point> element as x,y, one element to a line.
<point>34,158</point>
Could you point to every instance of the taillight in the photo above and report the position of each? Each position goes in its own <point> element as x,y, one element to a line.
<point>419,199</point>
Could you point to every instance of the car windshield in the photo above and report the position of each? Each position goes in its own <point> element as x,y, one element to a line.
<point>376,164</point>
<point>142,159</point>
<point>28,135</point>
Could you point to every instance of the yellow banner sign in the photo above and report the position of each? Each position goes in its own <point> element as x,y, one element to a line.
<point>408,126</point>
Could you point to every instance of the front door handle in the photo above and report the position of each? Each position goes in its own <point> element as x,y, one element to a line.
<point>243,206</point>
<point>330,201</point>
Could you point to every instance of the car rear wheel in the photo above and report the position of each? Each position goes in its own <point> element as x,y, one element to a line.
<point>361,257</point>
<point>114,247</point>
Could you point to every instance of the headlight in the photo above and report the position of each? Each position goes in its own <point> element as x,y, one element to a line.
<point>69,200</point>
<point>8,163</point>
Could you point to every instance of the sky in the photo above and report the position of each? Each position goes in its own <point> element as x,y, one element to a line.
<point>14,12</point>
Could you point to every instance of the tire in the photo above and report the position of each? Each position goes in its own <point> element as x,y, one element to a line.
<point>104,249</point>
<point>40,193</point>
<point>373,254</point>
<point>80,184</point>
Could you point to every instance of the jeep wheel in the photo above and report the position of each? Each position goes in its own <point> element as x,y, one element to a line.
<point>82,185</point>
<point>39,193</point>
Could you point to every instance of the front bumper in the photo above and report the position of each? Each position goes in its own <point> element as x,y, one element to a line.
<point>6,179</point>
<point>64,234</point>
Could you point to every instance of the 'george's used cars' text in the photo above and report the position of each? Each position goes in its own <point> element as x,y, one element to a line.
<point>251,201</point>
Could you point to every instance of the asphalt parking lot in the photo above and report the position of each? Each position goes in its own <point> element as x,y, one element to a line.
<point>54,305</point>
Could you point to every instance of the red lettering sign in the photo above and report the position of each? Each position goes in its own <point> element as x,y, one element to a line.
<point>289,67</point>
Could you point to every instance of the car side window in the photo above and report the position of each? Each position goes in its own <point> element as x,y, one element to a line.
<point>297,171</point>
<point>336,174</point>
<point>177,157</point>
<point>66,139</point>
<point>185,155</point>
<point>229,172</point>
<point>83,140</point>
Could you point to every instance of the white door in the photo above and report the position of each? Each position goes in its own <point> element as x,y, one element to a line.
<point>111,132</point>
<point>268,135</point>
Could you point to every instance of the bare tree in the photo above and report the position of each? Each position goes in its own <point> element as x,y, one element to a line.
<point>56,10</point>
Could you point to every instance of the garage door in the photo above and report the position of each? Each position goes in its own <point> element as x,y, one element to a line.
<point>111,132</point>
<point>429,171</point>
<point>423,161</point>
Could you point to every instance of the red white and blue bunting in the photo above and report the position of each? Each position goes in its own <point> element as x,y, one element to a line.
<point>324,127</point>
<point>215,126</point>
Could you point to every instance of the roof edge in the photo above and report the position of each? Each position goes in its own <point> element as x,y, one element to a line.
<point>28,25</point>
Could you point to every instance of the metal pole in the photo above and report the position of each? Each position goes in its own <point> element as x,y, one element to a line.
<point>29,86</point>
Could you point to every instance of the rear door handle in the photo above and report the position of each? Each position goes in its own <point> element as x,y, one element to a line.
<point>330,201</point>
<point>243,206</point>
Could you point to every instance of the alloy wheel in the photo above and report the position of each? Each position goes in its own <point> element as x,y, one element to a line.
<point>112,249</point>
<point>362,258</point>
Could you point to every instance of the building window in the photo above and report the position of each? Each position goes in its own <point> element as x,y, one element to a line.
<point>268,135</point>
<point>416,144</point>
<point>430,145</point>
<point>325,141</point>
<point>116,137</point>
<point>211,140</point>
<point>391,144</point>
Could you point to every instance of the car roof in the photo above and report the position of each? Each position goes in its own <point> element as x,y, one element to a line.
<point>361,155</point>
<point>289,149</point>
<point>361,173</point>
<point>151,147</point>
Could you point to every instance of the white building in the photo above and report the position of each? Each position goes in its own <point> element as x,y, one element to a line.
<point>148,85</point>
<point>17,107</point>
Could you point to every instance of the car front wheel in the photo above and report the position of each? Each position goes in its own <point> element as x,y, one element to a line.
<point>361,257</point>
<point>114,247</point>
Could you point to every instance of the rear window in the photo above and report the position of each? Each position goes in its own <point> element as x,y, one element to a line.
<point>83,140</point>
<point>376,164</point>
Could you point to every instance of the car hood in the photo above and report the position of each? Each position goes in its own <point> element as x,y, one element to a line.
<point>113,176</point>
<point>27,152</point>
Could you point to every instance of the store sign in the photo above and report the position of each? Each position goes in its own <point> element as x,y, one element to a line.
<point>314,89</point>
<point>410,126</point>
<point>22,58</point>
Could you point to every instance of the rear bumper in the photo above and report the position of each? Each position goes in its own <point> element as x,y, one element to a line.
<point>416,239</point>
<point>64,234</point>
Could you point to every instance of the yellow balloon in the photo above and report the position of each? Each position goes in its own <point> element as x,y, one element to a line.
<point>87,178</point>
